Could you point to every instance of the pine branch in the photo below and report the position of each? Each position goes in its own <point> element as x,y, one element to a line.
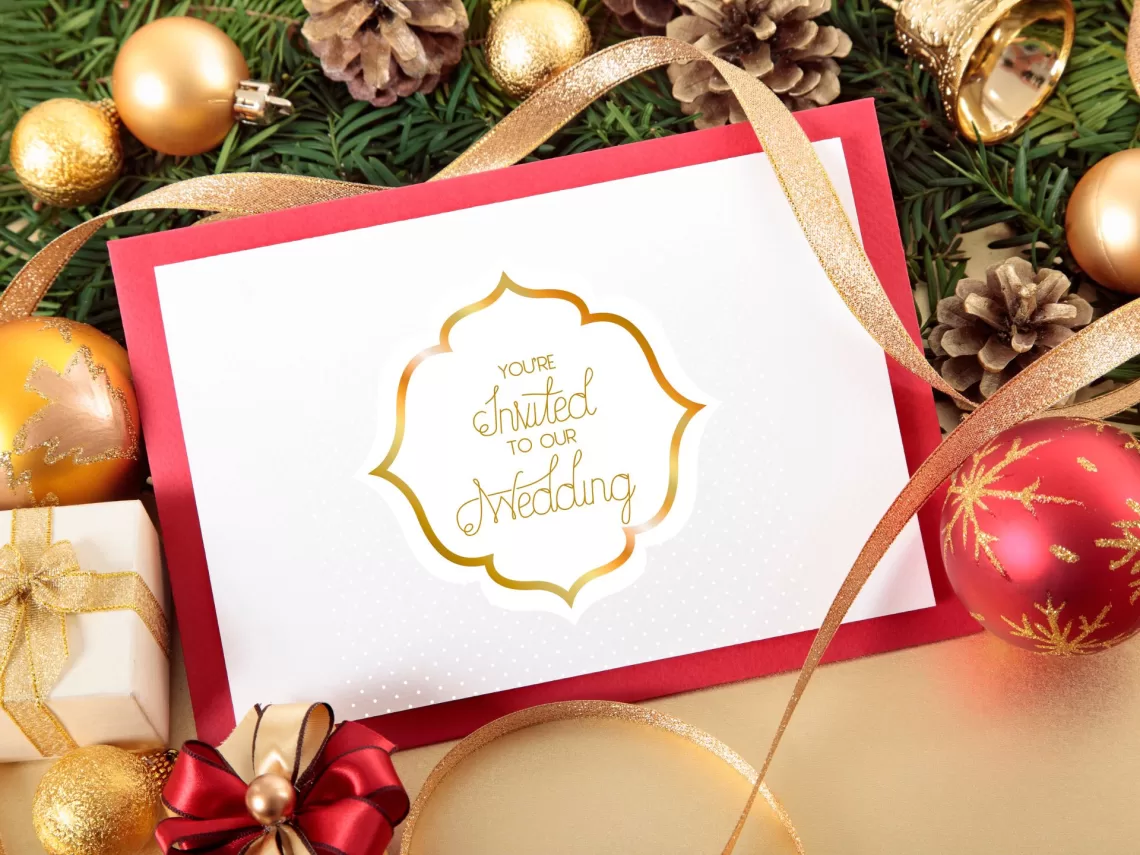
<point>55,48</point>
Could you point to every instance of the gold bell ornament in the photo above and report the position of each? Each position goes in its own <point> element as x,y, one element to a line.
<point>996,62</point>
<point>178,84</point>
<point>530,41</point>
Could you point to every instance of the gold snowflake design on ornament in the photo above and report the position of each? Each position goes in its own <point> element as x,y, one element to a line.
<point>85,417</point>
<point>970,492</point>
<point>61,325</point>
<point>1130,543</point>
<point>1053,639</point>
<point>1097,426</point>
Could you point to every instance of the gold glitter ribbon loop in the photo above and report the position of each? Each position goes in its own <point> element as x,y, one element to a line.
<point>586,711</point>
<point>40,584</point>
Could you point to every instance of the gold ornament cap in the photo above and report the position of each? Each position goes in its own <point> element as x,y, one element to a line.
<point>67,152</point>
<point>996,61</point>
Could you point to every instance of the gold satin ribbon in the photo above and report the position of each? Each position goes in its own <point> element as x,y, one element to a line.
<point>1080,360</point>
<point>280,739</point>
<point>41,583</point>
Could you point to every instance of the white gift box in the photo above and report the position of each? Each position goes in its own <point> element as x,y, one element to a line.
<point>115,685</point>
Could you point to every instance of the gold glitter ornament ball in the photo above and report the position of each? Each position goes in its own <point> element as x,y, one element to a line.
<point>97,800</point>
<point>174,83</point>
<point>530,41</point>
<point>1102,222</point>
<point>67,152</point>
<point>68,415</point>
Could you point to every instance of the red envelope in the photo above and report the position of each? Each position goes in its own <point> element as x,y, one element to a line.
<point>135,260</point>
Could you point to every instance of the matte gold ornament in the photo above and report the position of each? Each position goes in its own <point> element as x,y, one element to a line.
<point>996,61</point>
<point>68,415</point>
<point>67,152</point>
<point>181,83</point>
<point>97,800</point>
<point>1102,222</point>
<point>530,41</point>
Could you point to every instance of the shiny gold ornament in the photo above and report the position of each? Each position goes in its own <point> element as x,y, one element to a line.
<point>67,152</point>
<point>996,61</point>
<point>97,800</point>
<point>181,83</point>
<point>270,799</point>
<point>1102,222</point>
<point>68,415</point>
<point>530,41</point>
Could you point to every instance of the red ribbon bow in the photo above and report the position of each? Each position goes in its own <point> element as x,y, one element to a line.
<point>348,795</point>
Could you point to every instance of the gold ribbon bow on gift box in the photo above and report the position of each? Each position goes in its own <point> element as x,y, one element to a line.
<point>41,583</point>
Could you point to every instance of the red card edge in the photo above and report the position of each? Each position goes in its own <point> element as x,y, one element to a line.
<point>135,259</point>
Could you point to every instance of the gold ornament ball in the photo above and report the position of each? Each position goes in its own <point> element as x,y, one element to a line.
<point>67,152</point>
<point>1102,222</point>
<point>68,415</point>
<point>270,799</point>
<point>97,800</point>
<point>530,41</point>
<point>174,83</point>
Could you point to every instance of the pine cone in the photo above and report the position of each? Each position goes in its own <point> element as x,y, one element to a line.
<point>775,40</point>
<point>988,331</point>
<point>645,17</point>
<point>386,49</point>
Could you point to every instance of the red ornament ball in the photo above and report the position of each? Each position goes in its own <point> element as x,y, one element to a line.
<point>1041,536</point>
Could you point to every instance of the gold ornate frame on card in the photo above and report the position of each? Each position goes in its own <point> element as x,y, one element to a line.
<point>568,595</point>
